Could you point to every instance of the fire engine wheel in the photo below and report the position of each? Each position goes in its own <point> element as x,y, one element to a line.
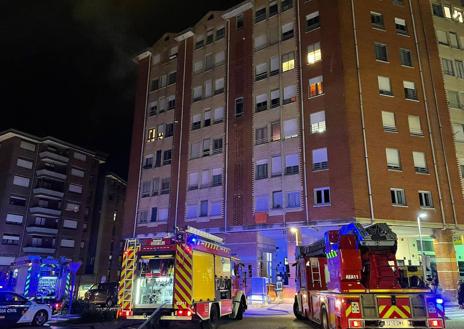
<point>40,318</point>
<point>213,321</point>
<point>324,319</point>
<point>296,310</point>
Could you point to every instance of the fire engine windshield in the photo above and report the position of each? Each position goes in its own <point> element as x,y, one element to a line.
<point>154,285</point>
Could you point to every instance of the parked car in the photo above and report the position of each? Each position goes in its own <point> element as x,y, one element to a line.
<point>16,309</point>
<point>103,294</point>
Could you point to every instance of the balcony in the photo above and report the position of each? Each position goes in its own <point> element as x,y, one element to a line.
<point>41,249</point>
<point>52,172</point>
<point>50,154</point>
<point>37,209</point>
<point>46,192</point>
<point>45,228</point>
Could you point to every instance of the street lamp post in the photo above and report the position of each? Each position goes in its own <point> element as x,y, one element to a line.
<point>294,230</point>
<point>424,267</point>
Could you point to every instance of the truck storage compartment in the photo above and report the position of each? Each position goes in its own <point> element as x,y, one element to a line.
<point>203,276</point>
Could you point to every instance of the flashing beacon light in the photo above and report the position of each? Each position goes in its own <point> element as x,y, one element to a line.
<point>439,301</point>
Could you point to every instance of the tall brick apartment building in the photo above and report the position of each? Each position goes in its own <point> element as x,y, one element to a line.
<point>47,192</point>
<point>311,114</point>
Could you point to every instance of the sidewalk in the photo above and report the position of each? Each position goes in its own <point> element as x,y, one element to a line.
<point>282,307</point>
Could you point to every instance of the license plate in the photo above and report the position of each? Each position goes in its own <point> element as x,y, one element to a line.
<point>394,323</point>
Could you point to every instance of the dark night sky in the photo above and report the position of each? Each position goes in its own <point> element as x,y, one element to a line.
<point>66,69</point>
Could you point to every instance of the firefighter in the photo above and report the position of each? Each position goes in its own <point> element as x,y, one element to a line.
<point>461,293</point>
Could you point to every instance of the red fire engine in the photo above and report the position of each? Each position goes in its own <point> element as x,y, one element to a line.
<point>351,279</point>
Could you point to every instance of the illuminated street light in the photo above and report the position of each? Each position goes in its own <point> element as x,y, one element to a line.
<point>294,230</point>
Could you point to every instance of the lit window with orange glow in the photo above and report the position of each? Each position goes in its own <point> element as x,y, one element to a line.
<point>151,136</point>
<point>316,86</point>
<point>314,53</point>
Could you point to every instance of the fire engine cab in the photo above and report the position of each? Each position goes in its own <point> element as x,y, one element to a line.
<point>350,279</point>
<point>187,277</point>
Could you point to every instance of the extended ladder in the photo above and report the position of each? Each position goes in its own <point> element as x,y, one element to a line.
<point>315,272</point>
<point>129,263</point>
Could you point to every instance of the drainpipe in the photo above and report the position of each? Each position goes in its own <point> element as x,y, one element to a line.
<point>361,105</point>
<point>226,123</point>
<point>427,114</point>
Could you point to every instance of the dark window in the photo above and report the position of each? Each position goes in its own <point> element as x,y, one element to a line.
<point>167,157</point>
<point>239,21</point>
<point>410,93</point>
<point>17,201</point>
<point>398,2</point>
<point>405,56</point>
<point>287,4</point>
<point>199,44</point>
<point>287,34</point>
<point>172,78</point>
<point>204,208</point>
<point>154,85</point>
<point>261,135</point>
<point>217,180</point>
<point>148,163</point>
<point>462,170</point>
<point>377,20</point>
<point>217,146</point>
<point>239,107</point>
<point>165,185</point>
<point>209,38</point>
<point>437,9</point>
<point>273,9</point>
<point>154,214</point>
<point>10,239</point>
<point>322,196</point>
<point>171,103</point>
<point>261,106</point>
<point>220,33</point>
<point>400,25</point>
<point>381,52</point>
<point>277,202</point>
<point>158,158</point>
<point>153,109</point>
<point>169,130</point>
<point>261,171</point>
<point>313,23</point>
<point>260,15</point>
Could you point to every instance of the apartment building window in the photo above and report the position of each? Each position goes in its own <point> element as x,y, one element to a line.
<point>163,214</point>
<point>410,90</point>
<point>169,129</point>
<point>400,25</point>
<point>318,122</point>
<point>405,57</point>
<point>193,181</point>
<point>165,185</point>
<point>290,128</point>
<point>209,62</point>
<point>198,66</point>
<point>314,53</point>
<point>322,196</point>
<point>293,200</point>
<point>287,4</point>
<point>21,181</point>
<point>203,208</point>
<point>273,9</point>
<point>261,103</point>
<point>23,163</point>
<point>171,102</point>
<point>261,71</point>
<point>384,86</point>
<point>289,94</point>
<point>10,239</point>
<point>167,157</point>
<point>419,162</point>
<point>276,166</point>
<point>219,58</point>
<point>207,118</point>
<point>206,147</point>
<point>217,177</point>
<point>220,33</point>
<point>442,37</point>
<point>262,203</point>
<point>205,179</point>
<point>393,158</point>
<point>158,158</point>
<point>377,20</point>
<point>74,188</point>
<point>437,10</point>
<point>275,131</point>
<point>146,186</point>
<point>458,14</point>
<point>14,219</point>
<point>291,164</point>
<point>239,21</point>
<point>458,132</point>
<point>277,200</point>
<point>200,42</point>
<point>197,93</point>
<point>192,211</point>
<point>77,172</point>
<point>275,66</point>
<point>195,150</point>
<point>425,199</point>
<point>218,114</point>
<point>217,146</point>
<point>17,201</point>
<point>196,121</point>
<point>316,86</point>
<point>415,125</point>
<point>172,78</point>
<point>275,98</point>
<point>260,15</point>
<point>448,67</point>
<point>154,214</point>
<point>260,42</point>
<point>173,52</point>
<point>239,107</point>
<point>153,108</point>
<point>380,52</point>
<point>388,121</point>
<point>219,86</point>
<point>313,21</point>
<point>209,37</point>
<point>261,135</point>
<point>161,130</point>
<point>320,159</point>
<point>156,186</point>
<point>208,88</point>
<point>287,31</point>
<point>162,104</point>
<point>288,61</point>
<point>398,197</point>
<point>154,85</point>
<point>453,99</point>
<point>261,169</point>
<point>27,146</point>
<point>459,69</point>
<point>453,39</point>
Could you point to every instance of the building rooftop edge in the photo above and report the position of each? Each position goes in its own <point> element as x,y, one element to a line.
<point>116,177</point>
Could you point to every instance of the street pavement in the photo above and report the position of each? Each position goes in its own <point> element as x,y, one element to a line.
<point>273,316</point>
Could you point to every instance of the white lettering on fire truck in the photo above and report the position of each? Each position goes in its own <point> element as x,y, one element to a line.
<point>351,276</point>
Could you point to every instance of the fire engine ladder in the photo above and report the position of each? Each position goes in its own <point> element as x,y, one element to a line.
<point>129,263</point>
<point>315,272</point>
